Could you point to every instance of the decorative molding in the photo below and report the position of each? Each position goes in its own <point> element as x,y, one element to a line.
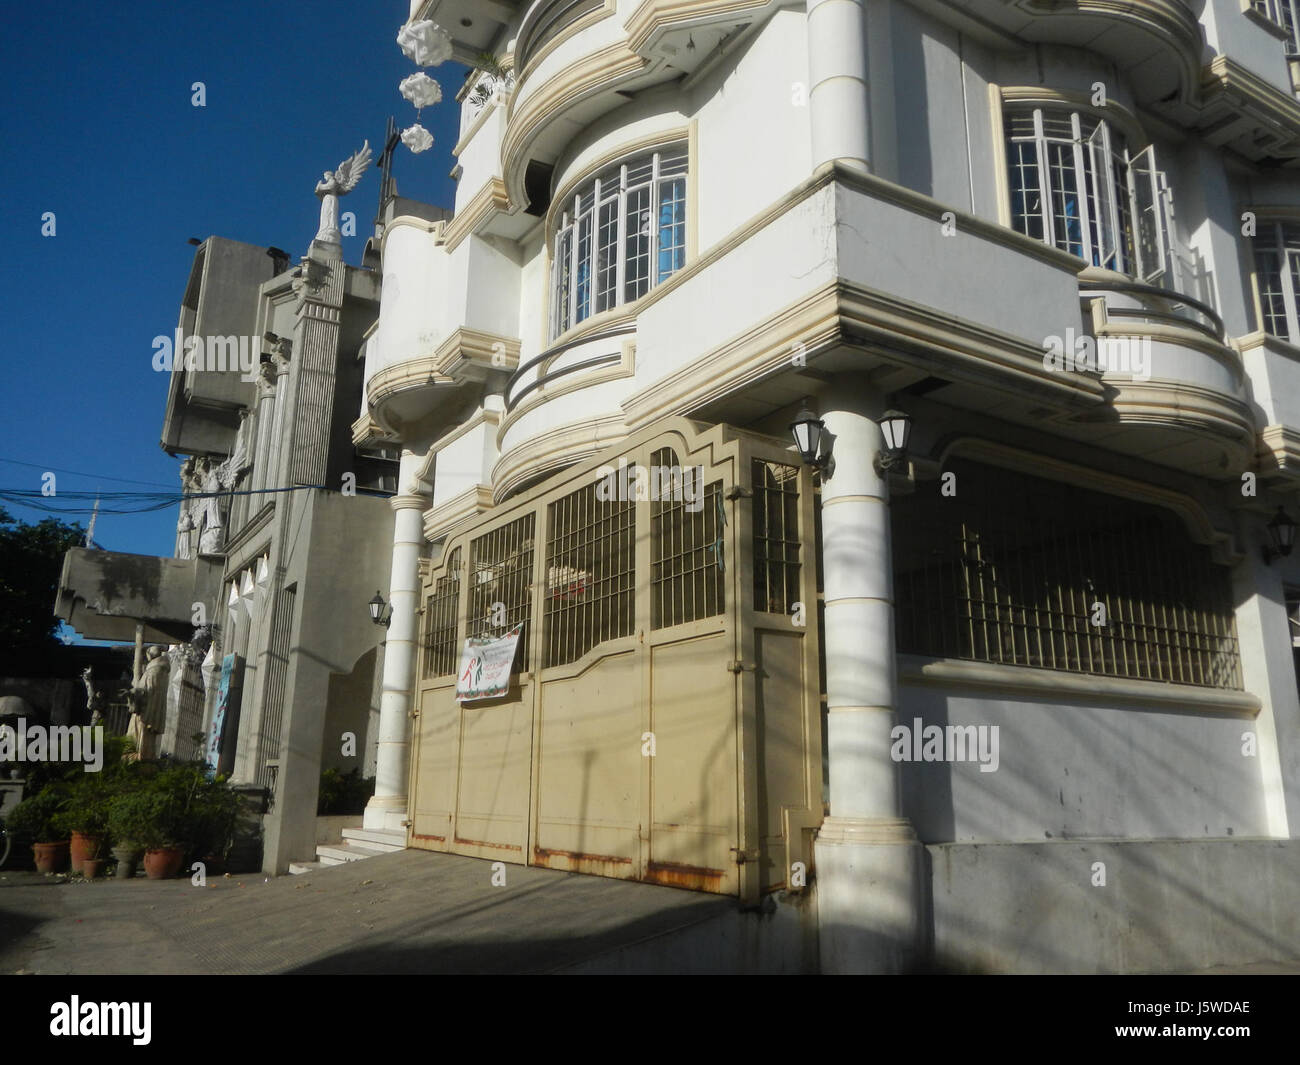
<point>625,368</point>
<point>445,518</point>
<point>366,431</point>
<point>535,57</point>
<point>489,200</point>
<point>484,416</point>
<point>1278,452</point>
<point>463,357</point>
<point>554,450</point>
<point>1053,684</point>
<point>652,18</point>
<point>1229,89</point>
<point>601,69</point>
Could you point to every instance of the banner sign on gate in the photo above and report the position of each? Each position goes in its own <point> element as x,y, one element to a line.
<point>485,666</point>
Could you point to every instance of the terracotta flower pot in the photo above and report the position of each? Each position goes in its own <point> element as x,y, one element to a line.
<point>163,864</point>
<point>128,860</point>
<point>51,857</point>
<point>84,847</point>
<point>93,868</point>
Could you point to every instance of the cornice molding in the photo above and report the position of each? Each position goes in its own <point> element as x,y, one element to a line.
<point>554,450</point>
<point>464,356</point>
<point>445,518</point>
<point>489,200</point>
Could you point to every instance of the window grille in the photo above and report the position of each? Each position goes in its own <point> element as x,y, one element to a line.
<point>687,548</point>
<point>440,650</point>
<point>629,217</point>
<point>776,536</point>
<point>1277,271</point>
<point>1018,571</point>
<point>590,573</point>
<point>501,582</point>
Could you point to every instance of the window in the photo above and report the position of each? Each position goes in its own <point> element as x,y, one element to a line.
<point>1075,185</point>
<point>1029,572</point>
<point>1284,13</point>
<point>618,237</point>
<point>776,536</point>
<point>1277,272</point>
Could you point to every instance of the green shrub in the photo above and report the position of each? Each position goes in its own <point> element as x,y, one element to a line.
<point>343,793</point>
<point>37,819</point>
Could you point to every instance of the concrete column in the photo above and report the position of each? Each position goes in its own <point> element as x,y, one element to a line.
<point>838,99</point>
<point>869,863</point>
<point>387,809</point>
<point>1268,671</point>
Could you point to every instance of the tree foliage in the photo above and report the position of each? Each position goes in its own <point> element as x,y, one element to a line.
<point>31,561</point>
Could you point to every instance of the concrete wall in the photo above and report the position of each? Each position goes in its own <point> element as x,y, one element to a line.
<point>1166,905</point>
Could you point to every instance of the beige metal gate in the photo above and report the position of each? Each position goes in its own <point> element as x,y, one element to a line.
<point>663,723</point>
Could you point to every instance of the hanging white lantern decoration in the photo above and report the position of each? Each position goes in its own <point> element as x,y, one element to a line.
<point>421,90</point>
<point>425,42</point>
<point>417,138</point>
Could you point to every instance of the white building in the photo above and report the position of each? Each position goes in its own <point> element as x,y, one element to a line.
<point>678,222</point>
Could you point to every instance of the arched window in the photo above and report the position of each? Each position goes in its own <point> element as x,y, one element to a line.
<point>1075,185</point>
<point>618,236</point>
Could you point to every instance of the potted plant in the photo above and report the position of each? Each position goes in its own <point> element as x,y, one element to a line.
<point>85,818</point>
<point>93,868</point>
<point>216,812</point>
<point>153,818</point>
<point>128,823</point>
<point>36,820</point>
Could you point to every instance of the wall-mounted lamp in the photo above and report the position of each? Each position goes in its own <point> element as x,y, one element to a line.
<point>807,430</point>
<point>896,428</point>
<point>377,612</point>
<point>1281,536</point>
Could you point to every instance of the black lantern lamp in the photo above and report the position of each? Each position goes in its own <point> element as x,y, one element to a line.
<point>377,614</point>
<point>807,430</point>
<point>1281,536</point>
<point>896,428</point>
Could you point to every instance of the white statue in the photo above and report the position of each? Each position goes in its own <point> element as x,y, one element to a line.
<point>214,480</point>
<point>148,698</point>
<point>336,183</point>
<point>94,700</point>
<point>185,523</point>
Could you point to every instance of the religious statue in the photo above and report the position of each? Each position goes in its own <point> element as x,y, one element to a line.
<point>148,699</point>
<point>185,524</point>
<point>336,183</point>
<point>214,479</point>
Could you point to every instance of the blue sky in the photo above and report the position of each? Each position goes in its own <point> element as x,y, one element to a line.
<point>98,127</point>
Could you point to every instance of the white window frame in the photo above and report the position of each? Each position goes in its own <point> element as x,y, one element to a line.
<point>571,219</point>
<point>1289,275</point>
<point>1144,186</point>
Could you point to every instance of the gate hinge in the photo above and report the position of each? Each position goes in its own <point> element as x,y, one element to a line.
<point>736,666</point>
<point>737,491</point>
<point>413,713</point>
<point>743,856</point>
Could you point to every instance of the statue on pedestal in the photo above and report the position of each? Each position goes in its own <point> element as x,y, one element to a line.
<point>336,183</point>
<point>214,479</point>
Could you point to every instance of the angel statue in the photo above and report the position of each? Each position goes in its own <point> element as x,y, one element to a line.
<point>336,183</point>
<point>216,479</point>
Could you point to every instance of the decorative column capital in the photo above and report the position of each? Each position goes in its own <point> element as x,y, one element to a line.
<point>409,501</point>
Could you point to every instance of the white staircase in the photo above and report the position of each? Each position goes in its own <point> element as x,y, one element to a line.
<point>358,844</point>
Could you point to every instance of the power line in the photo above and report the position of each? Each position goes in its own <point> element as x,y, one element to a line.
<point>79,473</point>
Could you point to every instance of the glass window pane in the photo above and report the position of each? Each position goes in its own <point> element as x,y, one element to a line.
<point>582,295</point>
<point>672,227</point>
<point>607,256</point>
<point>636,280</point>
<point>1026,200</point>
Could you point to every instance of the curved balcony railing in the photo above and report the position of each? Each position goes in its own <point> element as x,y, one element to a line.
<point>543,20</point>
<point>1178,309</point>
<point>524,381</point>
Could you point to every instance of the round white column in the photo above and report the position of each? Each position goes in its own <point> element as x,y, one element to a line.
<point>387,809</point>
<point>837,69</point>
<point>868,859</point>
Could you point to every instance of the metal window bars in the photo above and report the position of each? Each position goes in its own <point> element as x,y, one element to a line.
<point>1061,578</point>
<point>440,610</point>
<point>590,573</point>
<point>687,548</point>
<point>501,582</point>
<point>776,536</point>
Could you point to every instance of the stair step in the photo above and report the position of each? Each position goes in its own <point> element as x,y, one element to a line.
<point>346,852</point>
<point>297,868</point>
<point>386,840</point>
